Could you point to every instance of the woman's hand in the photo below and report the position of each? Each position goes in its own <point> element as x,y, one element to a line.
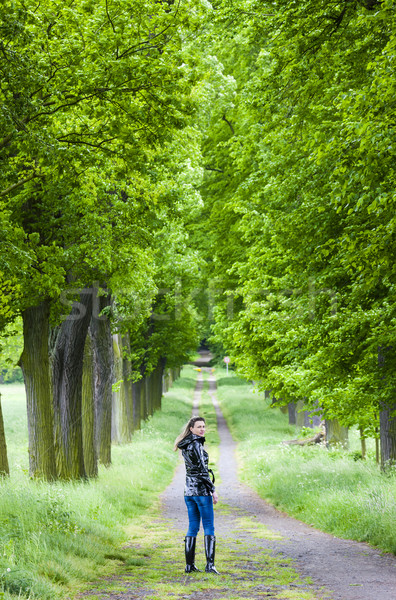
<point>215,498</point>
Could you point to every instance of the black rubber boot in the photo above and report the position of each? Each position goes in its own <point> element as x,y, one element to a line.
<point>210,549</point>
<point>190,554</point>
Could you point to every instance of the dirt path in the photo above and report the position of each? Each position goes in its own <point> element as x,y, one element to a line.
<point>339,569</point>
<point>261,553</point>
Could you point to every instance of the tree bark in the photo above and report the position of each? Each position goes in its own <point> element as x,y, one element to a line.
<point>291,407</point>
<point>149,394</point>
<point>115,395</point>
<point>4,467</point>
<point>157,378</point>
<point>363,443</point>
<point>88,411</point>
<point>137,412</point>
<point>127,377</point>
<point>159,371</point>
<point>67,369</point>
<point>300,413</point>
<point>166,380</point>
<point>103,367</point>
<point>377,447</point>
<point>120,426</point>
<point>387,413</point>
<point>336,434</point>
<point>36,370</point>
<point>144,400</point>
<point>313,419</point>
<point>388,435</point>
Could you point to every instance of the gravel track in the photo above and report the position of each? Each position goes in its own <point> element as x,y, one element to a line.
<point>340,569</point>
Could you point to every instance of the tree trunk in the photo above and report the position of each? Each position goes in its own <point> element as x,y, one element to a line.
<point>127,378</point>
<point>137,412</point>
<point>313,419</point>
<point>88,411</point>
<point>377,447</point>
<point>363,443</point>
<point>387,414</point>
<point>300,413</point>
<point>103,368</point>
<point>67,368</point>
<point>36,370</point>
<point>4,468</point>
<point>144,402</point>
<point>115,395</point>
<point>291,407</point>
<point>120,426</point>
<point>149,394</point>
<point>166,382</point>
<point>304,418</point>
<point>388,435</point>
<point>336,434</point>
<point>157,387</point>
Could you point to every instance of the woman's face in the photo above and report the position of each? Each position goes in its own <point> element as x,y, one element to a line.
<point>199,428</point>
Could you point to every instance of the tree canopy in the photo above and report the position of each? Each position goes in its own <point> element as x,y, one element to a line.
<point>301,178</point>
<point>221,171</point>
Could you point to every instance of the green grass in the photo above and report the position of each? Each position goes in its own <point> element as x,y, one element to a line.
<point>13,402</point>
<point>328,489</point>
<point>55,536</point>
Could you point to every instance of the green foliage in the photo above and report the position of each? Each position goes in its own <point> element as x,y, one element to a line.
<point>11,346</point>
<point>302,202</point>
<point>100,162</point>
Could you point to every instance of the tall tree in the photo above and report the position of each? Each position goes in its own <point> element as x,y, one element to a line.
<point>36,370</point>
<point>67,374</point>
<point>4,468</point>
<point>103,370</point>
<point>88,410</point>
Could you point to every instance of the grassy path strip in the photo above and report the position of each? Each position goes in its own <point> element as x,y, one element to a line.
<point>156,573</point>
<point>327,489</point>
<point>54,537</point>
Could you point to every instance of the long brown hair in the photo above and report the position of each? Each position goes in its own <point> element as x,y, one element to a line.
<point>186,430</point>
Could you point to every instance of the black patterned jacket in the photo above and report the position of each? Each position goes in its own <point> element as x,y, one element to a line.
<point>198,481</point>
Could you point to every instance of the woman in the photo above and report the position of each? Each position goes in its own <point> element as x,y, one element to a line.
<point>199,493</point>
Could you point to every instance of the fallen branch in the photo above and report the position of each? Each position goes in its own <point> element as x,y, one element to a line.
<point>316,439</point>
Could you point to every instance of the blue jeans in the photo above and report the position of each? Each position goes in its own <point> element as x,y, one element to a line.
<point>199,507</point>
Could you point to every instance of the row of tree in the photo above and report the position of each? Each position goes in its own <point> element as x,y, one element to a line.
<point>300,182</point>
<point>110,114</point>
<point>97,185</point>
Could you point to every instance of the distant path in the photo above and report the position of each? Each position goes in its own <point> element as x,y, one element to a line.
<point>348,570</point>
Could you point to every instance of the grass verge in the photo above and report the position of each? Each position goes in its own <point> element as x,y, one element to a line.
<point>327,489</point>
<point>55,536</point>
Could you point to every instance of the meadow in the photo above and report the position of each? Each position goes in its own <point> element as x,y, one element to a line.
<point>329,489</point>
